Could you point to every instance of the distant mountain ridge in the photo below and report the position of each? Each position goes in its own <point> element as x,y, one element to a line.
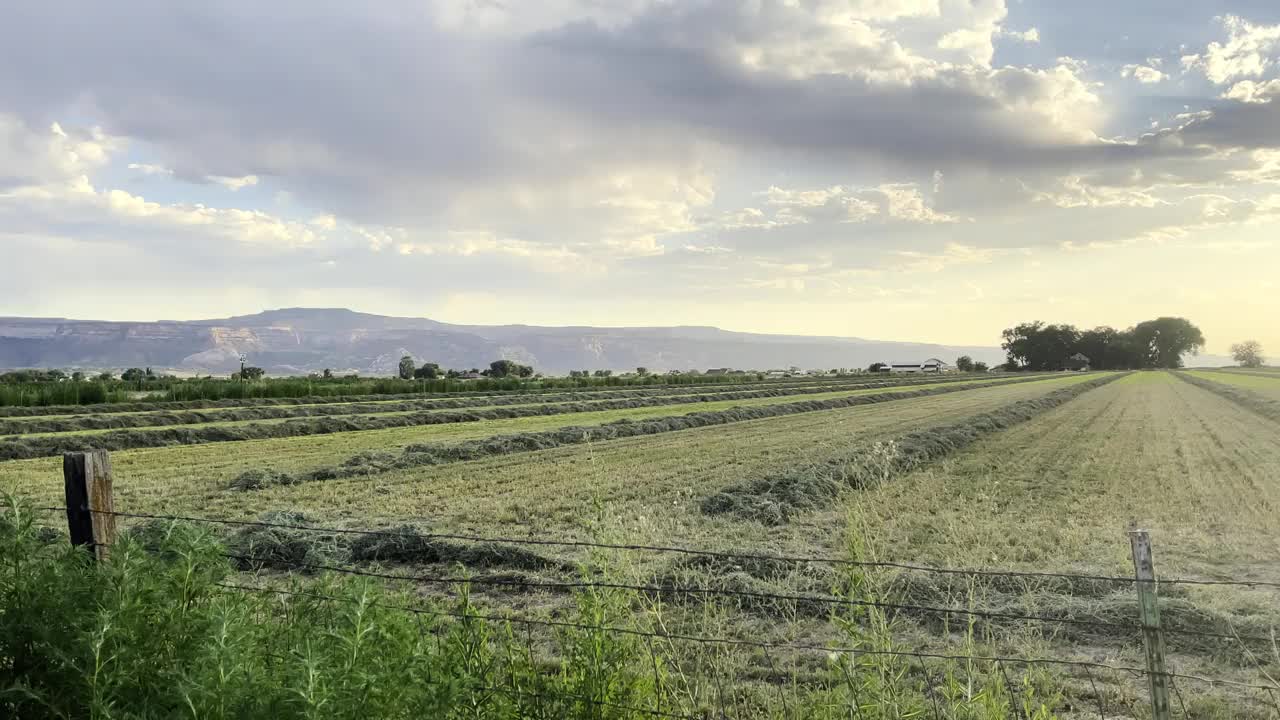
<point>303,340</point>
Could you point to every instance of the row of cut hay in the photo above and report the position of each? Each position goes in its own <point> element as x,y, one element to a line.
<point>369,463</point>
<point>174,405</point>
<point>760,586</point>
<point>776,498</point>
<point>79,423</point>
<point>274,544</point>
<point>1262,405</point>
<point>42,446</point>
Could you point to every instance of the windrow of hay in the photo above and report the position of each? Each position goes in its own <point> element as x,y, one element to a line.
<point>109,421</point>
<point>370,463</point>
<point>40,446</point>
<point>1264,406</point>
<point>775,499</point>
<point>257,547</point>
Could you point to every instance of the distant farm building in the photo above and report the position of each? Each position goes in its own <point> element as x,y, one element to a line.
<point>719,371</point>
<point>932,365</point>
<point>1079,361</point>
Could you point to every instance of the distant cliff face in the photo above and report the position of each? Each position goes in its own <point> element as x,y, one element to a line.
<point>304,340</point>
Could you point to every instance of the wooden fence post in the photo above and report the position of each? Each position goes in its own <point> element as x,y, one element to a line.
<point>87,476</point>
<point>1149,612</point>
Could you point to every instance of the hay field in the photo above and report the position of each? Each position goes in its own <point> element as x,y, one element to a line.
<point>1024,475</point>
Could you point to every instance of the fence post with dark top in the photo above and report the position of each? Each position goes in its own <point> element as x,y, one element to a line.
<point>87,477</point>
<point>1149,612</point>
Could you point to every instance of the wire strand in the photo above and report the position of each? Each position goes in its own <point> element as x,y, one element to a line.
<point>721,554</point>
<point>764,644</point>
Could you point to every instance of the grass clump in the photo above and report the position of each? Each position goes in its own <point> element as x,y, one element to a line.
<point>261,478</point>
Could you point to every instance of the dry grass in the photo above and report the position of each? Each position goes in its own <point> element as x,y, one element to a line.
<point>645,488</point>
<point>217,464</point>
<point>1054,493</point>
<point>1060,491</point>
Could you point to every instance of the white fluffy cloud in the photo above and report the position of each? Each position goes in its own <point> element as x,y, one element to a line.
<point>1144,74</point>
<point>1247,52</point>
<point>1249,91</point>
<point>886,203</point>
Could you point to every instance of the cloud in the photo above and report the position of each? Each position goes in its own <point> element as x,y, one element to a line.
<point>233,183</point>
<point>1249,91</point>
<point>953,254</point>
<point>1144,74</point>
<point>886,203</point>
<point>150,169</point>
<point>1030,36</point>
<point>1078,192</point>
<point>1246,53</point>
<point>31,156</point>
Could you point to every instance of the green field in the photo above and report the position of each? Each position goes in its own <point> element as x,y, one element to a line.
<point>1039,476</point>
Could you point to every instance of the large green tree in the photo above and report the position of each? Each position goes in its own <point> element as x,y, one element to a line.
<point>406,368</point>
<point>504,368</point>
<point>1037,346</point>
<point>1165,340</point>
<point>1159,343</point>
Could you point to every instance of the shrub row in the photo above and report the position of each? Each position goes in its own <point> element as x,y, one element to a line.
<point>100,391</point>
<point>107,421</point>
<point>1262,405</point>
<point>29,447</point>
<point>369,463</point>
<point>776,498</point>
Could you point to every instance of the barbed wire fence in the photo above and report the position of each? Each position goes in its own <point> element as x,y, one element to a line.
<point>91,520</point>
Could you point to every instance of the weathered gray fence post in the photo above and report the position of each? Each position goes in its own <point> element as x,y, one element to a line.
<point>90,507</point>
<point>1149,611</point>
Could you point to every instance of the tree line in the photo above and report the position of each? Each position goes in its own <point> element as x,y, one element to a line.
<point>1159,343</point>
<point>408,370</point>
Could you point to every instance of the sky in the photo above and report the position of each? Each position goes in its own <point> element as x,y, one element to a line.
<point>931,170</point>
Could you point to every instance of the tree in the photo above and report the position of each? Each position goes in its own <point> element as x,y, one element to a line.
<point>1248,353</point>
<point>428,371</point>
<point>453,374</point>
<point>876,367</point>
<point>105,376</point>
<point>1037,346</point>
<point>603,373</point>
<point>253,373</point>
<point>503,368</point>
<point>406,368</point>
<point>642,371</point>
<point>327,374</point>
<point>1167,339</point>
<point>980,367</point>
<point>964,363</point>
<point>524,371</point>
<point>132,375</point>
<point>77,376</point>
